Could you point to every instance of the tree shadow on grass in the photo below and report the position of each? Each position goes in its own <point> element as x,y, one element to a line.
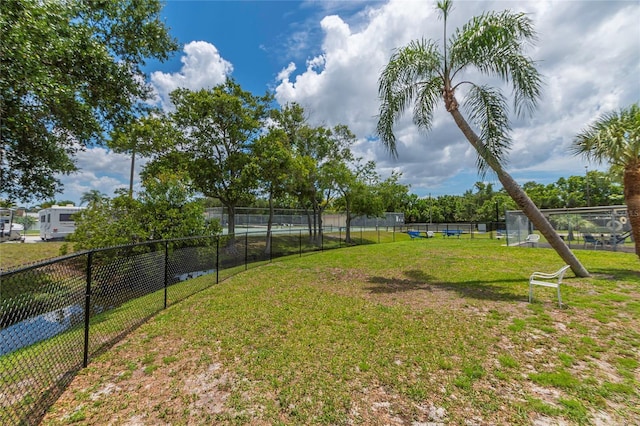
<point>417,280</point>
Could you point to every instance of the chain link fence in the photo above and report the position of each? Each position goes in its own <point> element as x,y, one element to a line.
<point>468,230</point>
<point>57,315</point>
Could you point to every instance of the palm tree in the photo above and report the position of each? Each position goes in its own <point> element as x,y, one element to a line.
<point>615,138</point>
<point>422,74</point>
<point>92,197</point>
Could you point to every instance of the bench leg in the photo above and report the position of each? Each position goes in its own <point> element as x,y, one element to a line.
<point>530,292</point>
<point>559,298</point>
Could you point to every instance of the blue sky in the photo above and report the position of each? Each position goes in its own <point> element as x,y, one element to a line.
<point>327,56</point>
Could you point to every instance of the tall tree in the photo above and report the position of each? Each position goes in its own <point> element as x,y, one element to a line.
<point>356,185</point>
<point>303,141</point>
<point>334,149</point>
<point>70,72</point>
<point>272,163</point>
<point>393,193</point>
<point>213,130</point>
<point>312,148</point>
<point>422,74</point>
<point>615,138</point>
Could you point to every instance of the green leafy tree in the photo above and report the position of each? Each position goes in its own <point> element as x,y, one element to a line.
<point>308,150</point>
<point>419,210</point>
<point>421,73</point>
<point>356,186</point>
<point>114,222</point>
<point>329,173</point>
<point>393,193</point>
<point>212,132</point>
<point>615,138</point>
<point>603,189</point>
<point>272,162</point>
<point>312,148</point>
<point>71,73</point>
<point>545,196</point>
<point>166,209</point>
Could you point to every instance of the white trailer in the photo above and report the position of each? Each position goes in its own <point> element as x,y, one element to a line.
<point>9,230</point>
<point>57,222</point>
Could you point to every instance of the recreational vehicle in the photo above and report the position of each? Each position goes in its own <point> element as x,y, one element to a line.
<point>10,230</point>
<point>56,222</point>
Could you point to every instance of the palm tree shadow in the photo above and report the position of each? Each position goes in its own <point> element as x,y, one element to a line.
<point>417,280</point>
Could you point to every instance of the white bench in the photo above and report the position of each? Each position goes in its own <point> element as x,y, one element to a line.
<point>547,280</point>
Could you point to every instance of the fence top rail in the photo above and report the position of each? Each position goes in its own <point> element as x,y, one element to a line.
<point>9,272</point>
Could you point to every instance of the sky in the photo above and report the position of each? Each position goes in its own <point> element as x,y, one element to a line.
<point>328,55</point>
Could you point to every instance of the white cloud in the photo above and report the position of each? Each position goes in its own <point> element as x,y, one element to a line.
<point>202,67</point>
<point>588,53</point>
<point>100,169</point>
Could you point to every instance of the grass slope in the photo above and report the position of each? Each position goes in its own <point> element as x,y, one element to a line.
<point>14,255</point>
<point>412,332</point>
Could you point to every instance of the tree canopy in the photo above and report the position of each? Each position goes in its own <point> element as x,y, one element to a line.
<point>70,73</point>
<point>212,131</point>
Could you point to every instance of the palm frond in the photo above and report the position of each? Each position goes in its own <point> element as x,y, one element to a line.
<point>403,81</point>
<point>494,43</point>
<point>486,107</point>
<point>426,100</point>
<point>613,138</point>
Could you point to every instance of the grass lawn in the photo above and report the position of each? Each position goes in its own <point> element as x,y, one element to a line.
<point>410,332</point>
<point>13,255</point>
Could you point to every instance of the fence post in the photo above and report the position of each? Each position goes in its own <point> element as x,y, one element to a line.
<point>166,271</point>
<point>300,242</point>
<point>217,259</point>
<point>246,250</point>
<point>87,309</point>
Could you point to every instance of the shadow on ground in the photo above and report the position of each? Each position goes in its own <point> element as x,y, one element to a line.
<point>417,280</point>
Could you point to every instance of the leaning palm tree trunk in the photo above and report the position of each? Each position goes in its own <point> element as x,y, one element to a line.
<point>422,73</point>
<point>522,199</point>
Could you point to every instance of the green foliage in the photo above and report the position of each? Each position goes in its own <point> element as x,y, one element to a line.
<point>613,138</point>
<point>357,185</point>
<point>92,197</point>
<point>111,223</point>
<point>71,73</point>
<point>483,204</point>
<point>211,132</point>
<point>165,209</point>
